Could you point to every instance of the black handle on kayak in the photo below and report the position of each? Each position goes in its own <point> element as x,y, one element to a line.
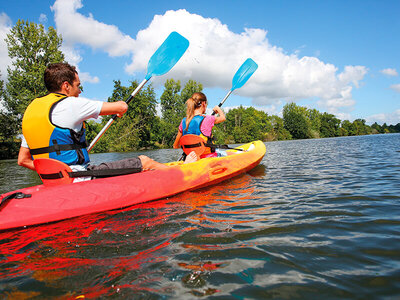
<point>17,195</point>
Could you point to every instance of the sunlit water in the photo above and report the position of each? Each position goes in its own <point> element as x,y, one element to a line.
<point>317,219</point>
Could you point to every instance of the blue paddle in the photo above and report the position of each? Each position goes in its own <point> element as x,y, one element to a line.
<point>242,75</point>
<point>166,56</point>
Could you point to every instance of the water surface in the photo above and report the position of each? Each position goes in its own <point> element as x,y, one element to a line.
<point>316,219</point>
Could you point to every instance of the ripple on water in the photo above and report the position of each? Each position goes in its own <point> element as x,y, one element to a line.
<point>317,218</point>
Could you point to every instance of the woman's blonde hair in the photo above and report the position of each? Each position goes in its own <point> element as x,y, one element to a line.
<point>191,104</point>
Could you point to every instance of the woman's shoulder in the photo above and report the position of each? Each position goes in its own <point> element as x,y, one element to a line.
<point>209,120</point>
<point>203,116</point>
<point>209,117</point>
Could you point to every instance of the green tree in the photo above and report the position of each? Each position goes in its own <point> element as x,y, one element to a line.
<point>329,125</point>
<point>296,121</point>
<point>133,130</point>
<point>315,121</point>
<point>394,128</point>
<point>233,124</point>
<point>246,124</point>
<point>172,103</point>
<point>347,128</point>
<point>385,128</point>
<point>172,111</point>
<point>8,129</point>
<point>278,131</point>
<point>190,87</point>
<point>360,128</point>
<point>170,100</point>
<point>376,128</point>
<point>31,49</point>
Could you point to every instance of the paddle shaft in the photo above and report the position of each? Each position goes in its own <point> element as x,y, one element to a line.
<point>104,129</point>
<point>222,102</point>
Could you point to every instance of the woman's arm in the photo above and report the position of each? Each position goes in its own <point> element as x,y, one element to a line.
<point>178,137</point>
<point>221,116</point>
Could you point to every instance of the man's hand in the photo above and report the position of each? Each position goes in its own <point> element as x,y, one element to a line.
<point>25,158</point>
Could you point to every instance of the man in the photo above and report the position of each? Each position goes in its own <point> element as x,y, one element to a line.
<point>53,127</point>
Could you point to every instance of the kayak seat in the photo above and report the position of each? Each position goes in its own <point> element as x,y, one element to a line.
<point>53,172</point>
<point>192,142</point>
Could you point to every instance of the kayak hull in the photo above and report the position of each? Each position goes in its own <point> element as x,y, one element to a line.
<point>54,203</point>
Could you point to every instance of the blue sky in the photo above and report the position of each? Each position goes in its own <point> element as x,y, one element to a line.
<point>341,57</point>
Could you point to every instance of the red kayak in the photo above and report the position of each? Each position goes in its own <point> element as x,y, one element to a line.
<point>41,204</point>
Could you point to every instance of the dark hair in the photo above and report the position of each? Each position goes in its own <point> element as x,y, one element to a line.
<point>56,74</point>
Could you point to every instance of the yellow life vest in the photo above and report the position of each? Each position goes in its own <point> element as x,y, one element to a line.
<point>46,140</point>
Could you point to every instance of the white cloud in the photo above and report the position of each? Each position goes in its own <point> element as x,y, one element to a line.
<point>42,18</point>
<point>395,87</point>
<point>352,74</point>
<point>71,53</point>
<point>388,118</point>
<point>5,61</point>
<point>86,77</point>
<point>214,55</point>
<point>79,29</point>
<point>389,72</point>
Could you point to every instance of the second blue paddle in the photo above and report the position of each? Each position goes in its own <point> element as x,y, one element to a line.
<point>241,76</point>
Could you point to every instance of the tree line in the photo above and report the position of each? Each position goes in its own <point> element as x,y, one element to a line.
<point>31,48</point>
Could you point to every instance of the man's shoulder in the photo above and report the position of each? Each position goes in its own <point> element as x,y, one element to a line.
<point>79,102</point>
<point>79,99</point>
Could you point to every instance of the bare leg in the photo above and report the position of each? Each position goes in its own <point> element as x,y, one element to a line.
<point>150,164</point>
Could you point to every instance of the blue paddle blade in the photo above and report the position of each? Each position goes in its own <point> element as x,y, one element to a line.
<point>167,55</point>
<point>244,73</point>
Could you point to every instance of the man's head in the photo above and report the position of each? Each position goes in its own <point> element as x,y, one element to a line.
<point>62,78</point>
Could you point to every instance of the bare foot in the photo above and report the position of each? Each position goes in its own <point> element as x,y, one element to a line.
<point>191,157</point>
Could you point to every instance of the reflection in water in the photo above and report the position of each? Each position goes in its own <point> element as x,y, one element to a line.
<point>113,248</point>
<point>317,217</point>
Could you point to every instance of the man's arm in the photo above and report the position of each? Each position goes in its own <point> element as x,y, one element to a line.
<point>111,108</point>
<point>25,158</point>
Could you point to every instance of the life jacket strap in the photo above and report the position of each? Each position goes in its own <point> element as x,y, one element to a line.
<point>192,142</point>
<point>222,147</point>
<point>91,173</point>
<point>54,172</point>
<point>57,148</point>
<point>196,145</point>
<point>104,173</point>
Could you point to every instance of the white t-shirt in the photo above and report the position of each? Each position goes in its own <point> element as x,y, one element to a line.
<point>71,112</point>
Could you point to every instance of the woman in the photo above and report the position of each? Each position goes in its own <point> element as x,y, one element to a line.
<point>196,122</point>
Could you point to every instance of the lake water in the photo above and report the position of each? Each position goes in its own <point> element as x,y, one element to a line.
<point>317,219</point>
